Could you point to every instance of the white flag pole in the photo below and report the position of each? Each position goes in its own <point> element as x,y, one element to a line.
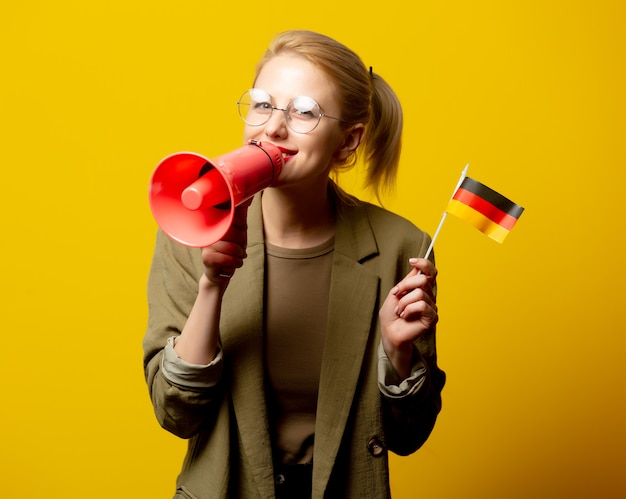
<point>445,213</point>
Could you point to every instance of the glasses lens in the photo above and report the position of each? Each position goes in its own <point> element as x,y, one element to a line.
<point>304,114</point>
<point>255,107</point>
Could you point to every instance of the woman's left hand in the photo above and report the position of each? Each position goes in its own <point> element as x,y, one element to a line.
<point>408,312</point>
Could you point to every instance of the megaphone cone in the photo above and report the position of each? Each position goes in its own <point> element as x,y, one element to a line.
<point>193,198</point>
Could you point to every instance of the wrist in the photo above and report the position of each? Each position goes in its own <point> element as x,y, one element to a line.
<point>400,356</point>
<point>208,286</point>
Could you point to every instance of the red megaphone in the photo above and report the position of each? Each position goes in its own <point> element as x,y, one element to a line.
<point>193,198</point>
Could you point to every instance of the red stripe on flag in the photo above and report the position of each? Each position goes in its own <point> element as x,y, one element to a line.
<point>484,207</point>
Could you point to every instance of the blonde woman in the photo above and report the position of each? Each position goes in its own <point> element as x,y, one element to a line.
<point>300,349</point>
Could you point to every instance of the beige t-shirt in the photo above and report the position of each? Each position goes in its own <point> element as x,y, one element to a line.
<point>298,283</point>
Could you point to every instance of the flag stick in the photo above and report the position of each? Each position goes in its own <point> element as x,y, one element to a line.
<point>445,213</point>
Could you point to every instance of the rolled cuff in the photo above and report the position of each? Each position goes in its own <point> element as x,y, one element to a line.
<point>187,375</point>
<point>389,383</point>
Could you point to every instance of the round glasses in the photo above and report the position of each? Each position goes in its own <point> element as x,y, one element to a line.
<point>302,114</point>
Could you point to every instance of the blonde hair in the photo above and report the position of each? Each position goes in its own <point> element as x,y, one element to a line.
<point>364,97</point>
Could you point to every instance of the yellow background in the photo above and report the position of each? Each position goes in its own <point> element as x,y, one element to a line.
<point>531,94</point>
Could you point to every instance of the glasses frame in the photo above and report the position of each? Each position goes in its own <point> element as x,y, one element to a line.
<point>284,110</point>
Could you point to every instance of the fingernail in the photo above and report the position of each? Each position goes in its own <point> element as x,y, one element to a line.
<point>413,260</point>
<point>394,290</point>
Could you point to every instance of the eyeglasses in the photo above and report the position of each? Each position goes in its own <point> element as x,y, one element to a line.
<point>302,114</point>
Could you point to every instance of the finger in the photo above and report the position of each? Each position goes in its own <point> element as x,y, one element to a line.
<point>422,275</point>
<point>415,295</point>
<point>222,255</point>
<point>222,267</point>
<point>228,248</point>
<point>424,266</point>
<point>412,282</point>
<point>418,300</point>
<point>418,310</point>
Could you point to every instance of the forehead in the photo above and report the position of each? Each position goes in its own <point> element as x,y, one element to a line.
<point>287,76</point>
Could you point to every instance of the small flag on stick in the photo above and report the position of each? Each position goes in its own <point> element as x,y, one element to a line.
<point>487,210</point>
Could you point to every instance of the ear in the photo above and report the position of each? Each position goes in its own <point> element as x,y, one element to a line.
<point>351,141</point>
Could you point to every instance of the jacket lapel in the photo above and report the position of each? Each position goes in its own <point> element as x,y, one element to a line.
<point>352,307</point>
<point>243,309</point>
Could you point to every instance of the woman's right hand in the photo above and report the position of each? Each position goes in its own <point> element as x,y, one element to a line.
<point>222,258</point>
<point>198,342</point>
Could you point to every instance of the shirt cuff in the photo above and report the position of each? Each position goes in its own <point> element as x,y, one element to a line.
<point>390,385</point>
<point>187,375</point>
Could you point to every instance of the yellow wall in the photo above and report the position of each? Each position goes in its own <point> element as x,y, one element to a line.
<point>94,93</point>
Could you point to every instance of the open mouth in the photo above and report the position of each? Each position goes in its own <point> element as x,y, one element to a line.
<point>287,153</point>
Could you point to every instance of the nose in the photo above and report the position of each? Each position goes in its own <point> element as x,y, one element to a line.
<point>277,124</point>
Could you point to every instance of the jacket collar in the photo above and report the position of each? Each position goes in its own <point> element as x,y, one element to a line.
<point>354,237</point>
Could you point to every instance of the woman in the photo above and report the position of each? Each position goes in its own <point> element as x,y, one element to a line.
<point>294,353</point>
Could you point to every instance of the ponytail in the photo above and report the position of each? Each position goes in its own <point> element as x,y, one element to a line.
<point>383,138</point>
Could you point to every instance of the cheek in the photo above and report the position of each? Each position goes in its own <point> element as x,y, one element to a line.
<point>248,133</point>
<point>333,144</point>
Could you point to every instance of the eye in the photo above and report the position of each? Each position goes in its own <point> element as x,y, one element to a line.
<point>262,107</point>
<point>304,108</point>
<point>260,101</point>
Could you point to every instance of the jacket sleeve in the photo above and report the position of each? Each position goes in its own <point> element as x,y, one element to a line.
<point>183,395</point>
<point>410,406</point>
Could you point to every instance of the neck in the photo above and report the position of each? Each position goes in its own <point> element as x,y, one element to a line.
<point>300,219</point>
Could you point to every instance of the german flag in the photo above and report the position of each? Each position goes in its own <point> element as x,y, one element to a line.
<point>487,210</point>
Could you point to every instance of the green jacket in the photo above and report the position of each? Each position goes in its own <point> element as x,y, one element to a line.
<point>229,453</point>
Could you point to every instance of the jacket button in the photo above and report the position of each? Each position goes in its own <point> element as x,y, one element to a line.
<point>375,447</point>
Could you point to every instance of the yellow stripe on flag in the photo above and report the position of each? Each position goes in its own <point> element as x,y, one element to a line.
<point>478,220</point>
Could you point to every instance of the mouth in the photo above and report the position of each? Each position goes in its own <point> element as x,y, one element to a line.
<point>287,153</point>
